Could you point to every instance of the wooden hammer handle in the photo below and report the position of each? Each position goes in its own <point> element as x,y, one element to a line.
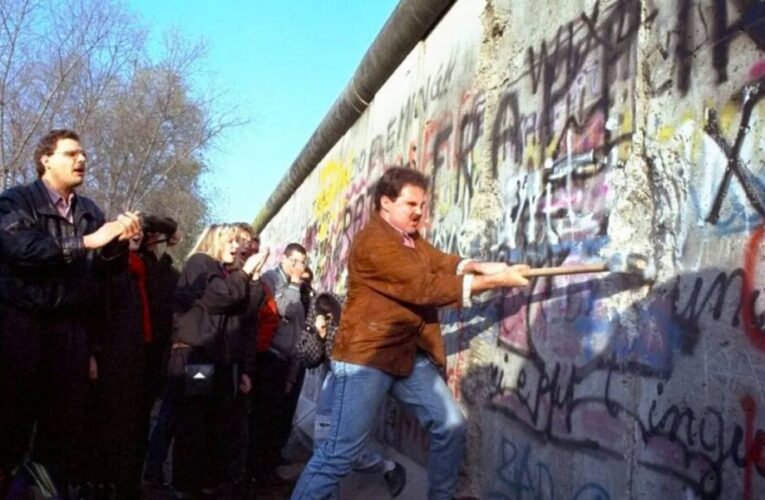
<point>562,270</point>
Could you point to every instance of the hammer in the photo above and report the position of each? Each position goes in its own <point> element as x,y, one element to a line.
<point>634,263</point>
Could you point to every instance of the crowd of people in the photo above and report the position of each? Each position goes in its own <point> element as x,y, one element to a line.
<point>98,327</point>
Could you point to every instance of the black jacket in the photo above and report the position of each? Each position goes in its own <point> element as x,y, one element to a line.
<point>44,265</point>
<point>312,350</point>
<point>242,328</point>
<point>205,300</point>
<point>161,280</point>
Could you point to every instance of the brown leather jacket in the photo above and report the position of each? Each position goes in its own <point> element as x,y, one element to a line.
<point>393,297</point>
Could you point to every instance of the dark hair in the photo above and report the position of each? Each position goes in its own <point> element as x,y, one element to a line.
<point>47,146</point>
<point>248,229</point>
<point>294,247</point>
<point>394,180</point>
<point>325,303</point>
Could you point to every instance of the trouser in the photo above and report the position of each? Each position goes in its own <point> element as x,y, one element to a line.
<point>272,411</point>
<point>359,394</point>
<point>209,428</point>
<point>161,437</point>
<point>43,382</point>
<point>368,461</point>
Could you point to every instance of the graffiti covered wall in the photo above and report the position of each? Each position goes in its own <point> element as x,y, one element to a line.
<point>569,132</point>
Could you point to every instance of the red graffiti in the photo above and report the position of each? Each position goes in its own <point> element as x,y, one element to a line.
<point>751,257</point>
<point>757,70</point>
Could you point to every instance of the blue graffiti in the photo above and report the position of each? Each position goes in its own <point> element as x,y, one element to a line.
<point>523,477</point>
<point>591,491</point>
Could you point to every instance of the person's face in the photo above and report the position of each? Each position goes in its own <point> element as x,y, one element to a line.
<point>135,241</point>
<point>294,262</point>
<point>322,322</point>
<point>247,248</point>
<point>405,212</point>
<point>65,167</point>
<point>152,238</point>
<point>230,250</point>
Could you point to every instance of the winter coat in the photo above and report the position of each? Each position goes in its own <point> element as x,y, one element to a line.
<point>44,265</point>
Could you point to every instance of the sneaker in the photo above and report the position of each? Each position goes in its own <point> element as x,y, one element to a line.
<point>395,479</point>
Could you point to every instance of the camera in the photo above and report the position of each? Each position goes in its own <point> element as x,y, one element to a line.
<point>157,224</point>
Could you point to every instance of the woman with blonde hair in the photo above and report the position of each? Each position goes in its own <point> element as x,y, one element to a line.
<point>204,365</point>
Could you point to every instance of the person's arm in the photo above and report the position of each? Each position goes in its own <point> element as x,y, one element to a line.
<point>203,282</point>
<point>390,269</point>
<point>393,270</point>
<point>441,262</point>
<point>24,244</point>
<point>287,297</point>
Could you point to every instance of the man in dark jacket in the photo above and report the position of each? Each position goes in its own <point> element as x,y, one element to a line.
<point>55,248</point>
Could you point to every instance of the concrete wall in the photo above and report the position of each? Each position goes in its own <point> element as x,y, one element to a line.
<point>562,132</point>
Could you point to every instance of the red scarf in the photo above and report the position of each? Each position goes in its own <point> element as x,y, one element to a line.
<point>138,269</point>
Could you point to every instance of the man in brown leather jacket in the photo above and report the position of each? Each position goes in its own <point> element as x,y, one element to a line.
<point>390,339</point>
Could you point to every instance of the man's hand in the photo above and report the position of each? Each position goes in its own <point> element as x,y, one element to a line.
<point>321,326</point>
<point>245,384</point>
<point>296,272</point>
<point>255,262</point>
<point>125,227</point>
<point>510,277</point>
<point>131,223</point>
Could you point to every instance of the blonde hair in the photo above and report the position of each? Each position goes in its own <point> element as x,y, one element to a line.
<point>213,240</point>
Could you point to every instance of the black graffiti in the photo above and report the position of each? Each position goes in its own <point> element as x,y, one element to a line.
<point>471,129</point>
<point>440,149</point>
<point>723,33</point>
<point>707,441</point>
<point>679,424</point>
<point>435,87</point>
<point>752,95</point>
<point>689,316</point>
<point>506,132</point>
<point>752,15</point>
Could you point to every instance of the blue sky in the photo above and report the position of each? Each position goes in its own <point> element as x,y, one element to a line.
<point>283,64</point>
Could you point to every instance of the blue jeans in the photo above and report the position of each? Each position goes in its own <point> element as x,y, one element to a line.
<point>359,393</point>
<point>369,461</point>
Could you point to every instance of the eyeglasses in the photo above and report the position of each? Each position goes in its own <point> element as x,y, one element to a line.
<point>295,261</point>
<point>72,154</point>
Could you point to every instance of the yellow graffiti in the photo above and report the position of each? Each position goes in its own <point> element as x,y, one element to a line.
<point>334,179</point>
<point>729,116</point>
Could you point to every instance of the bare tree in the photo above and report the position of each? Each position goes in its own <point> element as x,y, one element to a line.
<point>146,123</point>
<point>56,60</point>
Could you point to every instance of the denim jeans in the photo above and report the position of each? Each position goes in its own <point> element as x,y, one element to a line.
<point>369,461</point>
<point>359,393</point>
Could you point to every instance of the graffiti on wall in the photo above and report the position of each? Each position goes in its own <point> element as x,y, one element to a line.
<point>526,171</point>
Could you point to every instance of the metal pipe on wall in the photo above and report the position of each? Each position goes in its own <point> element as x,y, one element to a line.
<point>409,23</point>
